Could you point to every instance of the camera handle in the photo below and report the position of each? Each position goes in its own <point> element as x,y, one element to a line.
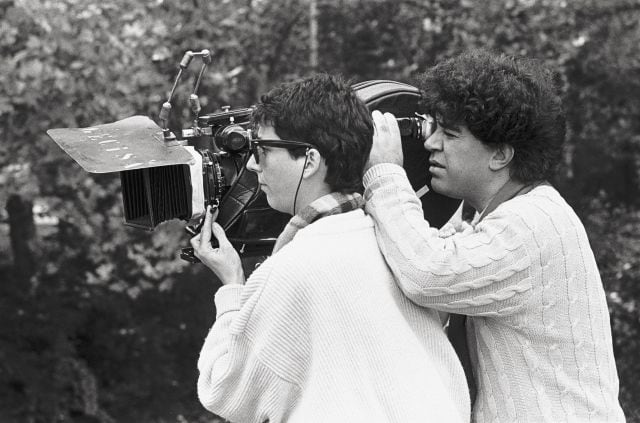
<point>193,230</point>
<point>235,201</point>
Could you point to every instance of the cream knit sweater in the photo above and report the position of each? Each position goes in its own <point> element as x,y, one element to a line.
<point>539,328</point>
<point>321,333</point>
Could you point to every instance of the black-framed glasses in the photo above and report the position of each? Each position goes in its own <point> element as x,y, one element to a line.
<point>288,144</point>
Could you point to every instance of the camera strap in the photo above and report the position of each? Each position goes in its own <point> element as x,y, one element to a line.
<point>509,190</point>
<point>242,192</point>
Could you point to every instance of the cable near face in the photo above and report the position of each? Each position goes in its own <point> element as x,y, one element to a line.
<point>295,198</point>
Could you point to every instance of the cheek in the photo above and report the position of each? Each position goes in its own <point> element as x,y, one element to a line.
<point>273,175</point>
<point>276,180</point>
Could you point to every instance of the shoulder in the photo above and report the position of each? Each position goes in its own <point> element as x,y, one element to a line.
<point>349,222</point>
<point>529,218</point>
<point>542,204</point>
<point>541,218</point>
<point>287,273</point>
<point>341,234</point>
<point>331,249</point>
<point>327,236</point>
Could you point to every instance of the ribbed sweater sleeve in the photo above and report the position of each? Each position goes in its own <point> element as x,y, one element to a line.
<point>252,363</point>
<point>483,272</point>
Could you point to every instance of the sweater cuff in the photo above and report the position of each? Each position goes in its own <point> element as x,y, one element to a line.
<point>228,299</point>
<point>381,169</point>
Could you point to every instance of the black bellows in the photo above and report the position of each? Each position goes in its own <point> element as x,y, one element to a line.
<point>156,194</point>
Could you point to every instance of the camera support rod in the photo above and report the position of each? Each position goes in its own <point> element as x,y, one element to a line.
<point>194,101</point>
<point>165,111</point>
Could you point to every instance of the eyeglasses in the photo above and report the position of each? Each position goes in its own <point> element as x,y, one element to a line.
<point>288,144</point>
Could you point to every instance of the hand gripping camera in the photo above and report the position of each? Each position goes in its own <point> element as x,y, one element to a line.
<point>176,174</point>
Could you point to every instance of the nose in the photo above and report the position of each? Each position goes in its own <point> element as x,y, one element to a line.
<point>251,164</point>
<point>434,142</point>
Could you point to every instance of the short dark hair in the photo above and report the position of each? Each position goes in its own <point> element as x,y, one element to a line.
<point>322,110</point>
<point>501,100</point>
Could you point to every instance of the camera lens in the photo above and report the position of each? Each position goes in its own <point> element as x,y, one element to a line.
<point>419,127</point>
<point>406,126</point>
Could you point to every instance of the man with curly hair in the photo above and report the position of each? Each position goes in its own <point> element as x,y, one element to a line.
<point>320,332</point>
<point>522,271</point>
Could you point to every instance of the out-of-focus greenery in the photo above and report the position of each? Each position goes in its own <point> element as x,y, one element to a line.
<point>107,325</point>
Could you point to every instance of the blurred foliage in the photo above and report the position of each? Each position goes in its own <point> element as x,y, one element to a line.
<point>108,326</point>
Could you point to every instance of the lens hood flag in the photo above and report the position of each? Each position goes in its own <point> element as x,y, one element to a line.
<point>132,143</point>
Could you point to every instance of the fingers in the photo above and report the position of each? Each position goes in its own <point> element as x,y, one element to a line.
<point>220,235</point>
<point>202,240</point>
<point>392,125</point>
<point>379,123</point>
<point>378,120</point>
<point>205,232</point>
<point>387,142</point>
<point>224,261</point>
<point>195,242</point>
<point>385,125</point>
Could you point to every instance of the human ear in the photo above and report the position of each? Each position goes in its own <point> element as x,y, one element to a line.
<point>313,162</point>
<point>501,157</point>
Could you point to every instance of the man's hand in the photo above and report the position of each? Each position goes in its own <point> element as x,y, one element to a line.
<point>224,261</point>
<point>387,145</point>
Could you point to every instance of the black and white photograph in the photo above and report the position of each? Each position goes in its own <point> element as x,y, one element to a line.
<point>319,211</point>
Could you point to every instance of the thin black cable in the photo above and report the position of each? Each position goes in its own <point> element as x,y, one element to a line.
<point>295,199</point>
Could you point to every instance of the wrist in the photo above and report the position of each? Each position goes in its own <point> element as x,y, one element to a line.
<point>382,169</point>
<point>228,298</point>
<point>234,278</point>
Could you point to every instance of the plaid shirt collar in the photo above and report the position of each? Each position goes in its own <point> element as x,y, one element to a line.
<point>327,205</point>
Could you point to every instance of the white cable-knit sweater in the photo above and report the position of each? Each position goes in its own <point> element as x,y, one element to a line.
<point>321,333</point>
<point>539,329</point>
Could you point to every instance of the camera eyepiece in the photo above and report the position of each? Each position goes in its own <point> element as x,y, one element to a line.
<point>232,139</point>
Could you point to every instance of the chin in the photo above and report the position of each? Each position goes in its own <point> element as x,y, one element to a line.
<point>277,207</point>
<point>441,188</point>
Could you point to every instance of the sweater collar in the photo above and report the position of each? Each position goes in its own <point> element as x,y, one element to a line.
<point>327,205</point>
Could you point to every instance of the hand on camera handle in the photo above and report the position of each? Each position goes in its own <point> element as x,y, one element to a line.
<point>224,260</point>
<point>387,144</point>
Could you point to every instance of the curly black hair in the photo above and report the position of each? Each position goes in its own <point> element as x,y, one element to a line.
<point>501,100</point>
<point>322,110</point>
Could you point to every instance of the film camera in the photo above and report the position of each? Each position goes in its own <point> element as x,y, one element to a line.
<point>175,174</point>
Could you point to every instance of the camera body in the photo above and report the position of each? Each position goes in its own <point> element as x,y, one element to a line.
<point>218,144</point>
<point>176,174</point>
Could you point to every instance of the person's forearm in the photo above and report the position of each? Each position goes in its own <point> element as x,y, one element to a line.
<point>214,360</point>
<point>234,379</point>
<point>480,272</point>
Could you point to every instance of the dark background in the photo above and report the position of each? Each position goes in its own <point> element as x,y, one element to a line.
<point>103,323</point>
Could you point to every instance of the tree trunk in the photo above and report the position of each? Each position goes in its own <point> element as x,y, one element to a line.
<point>313,35</point>
<point>22,233</point>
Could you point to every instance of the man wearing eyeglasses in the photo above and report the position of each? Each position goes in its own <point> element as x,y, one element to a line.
<point>320,332</point>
